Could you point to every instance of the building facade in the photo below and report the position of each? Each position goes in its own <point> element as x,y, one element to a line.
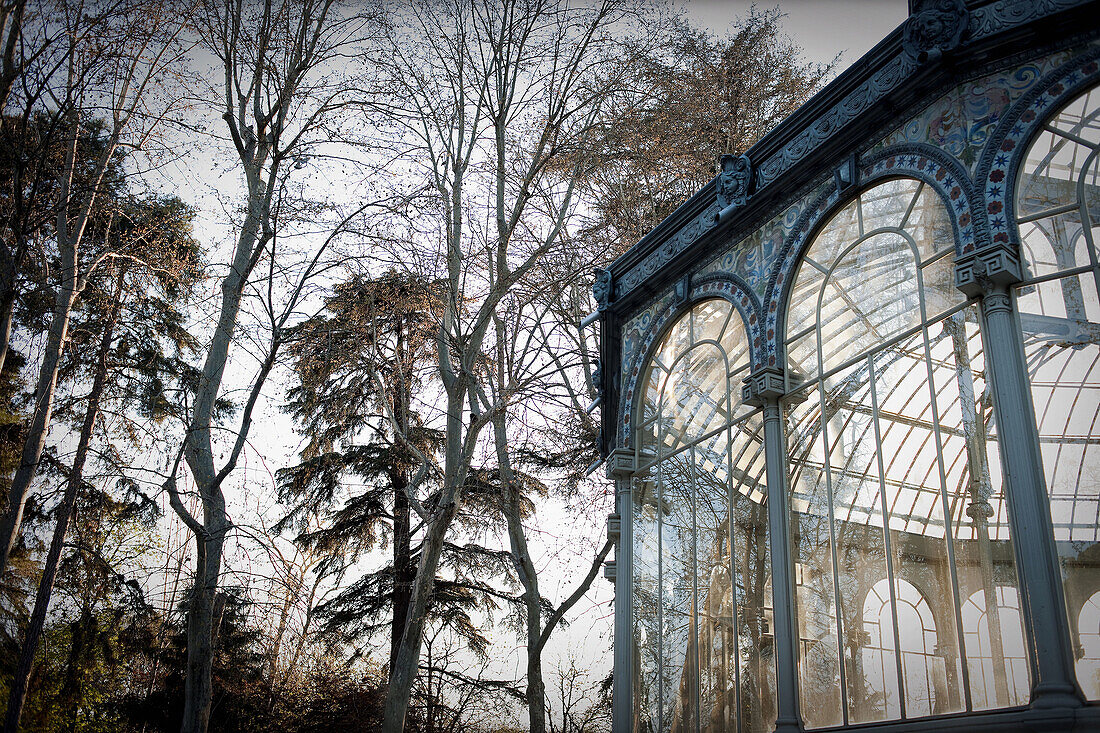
<point>850,396</point>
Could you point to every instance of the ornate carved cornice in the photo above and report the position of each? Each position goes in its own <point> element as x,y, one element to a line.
<point>621,463</point>
<point>875,85</point>
<point>762,387</point>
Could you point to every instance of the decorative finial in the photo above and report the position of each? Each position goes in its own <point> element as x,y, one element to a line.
<point>734,181</point>
<point>934,28</point>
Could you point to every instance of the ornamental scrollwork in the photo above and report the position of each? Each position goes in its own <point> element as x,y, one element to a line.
<point>936,27</point>
<point>734,181</point>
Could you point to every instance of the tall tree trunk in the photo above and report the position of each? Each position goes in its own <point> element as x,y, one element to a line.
<point>35,441</point>
<point>535,693</point>
<point>199,452</point>
<point>18,694</point>
<point>403,572</point>
<point>408,655</point>
<point>405,664</point>
<point>201,618</point>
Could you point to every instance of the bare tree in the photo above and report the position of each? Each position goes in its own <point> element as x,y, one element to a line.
<point>280,85</point>
<point>534,365</point>
<point>488,100</point>
<point>585,704</point>
<point>113,60</point>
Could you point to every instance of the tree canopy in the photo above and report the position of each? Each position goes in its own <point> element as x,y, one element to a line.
<point>294,411</point>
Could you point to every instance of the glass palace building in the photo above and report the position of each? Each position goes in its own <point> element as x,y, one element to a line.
<point>850,396</point>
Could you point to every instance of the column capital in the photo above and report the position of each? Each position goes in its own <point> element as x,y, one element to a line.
<point>763,386</point>
<point>990,268</point>
<point>621,463</point>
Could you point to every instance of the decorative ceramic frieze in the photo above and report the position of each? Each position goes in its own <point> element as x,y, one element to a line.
<point>1006,147</point>
<point>677,243</point>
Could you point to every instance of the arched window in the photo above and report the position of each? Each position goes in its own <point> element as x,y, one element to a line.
<point>998,671</point>
<point>701,561</point>
<point>894,477</point>
<point>923,671</point>
<point>1088,663</point>
<point>1057,205</point>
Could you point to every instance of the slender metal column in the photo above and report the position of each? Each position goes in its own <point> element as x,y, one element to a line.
<point>764,388</point>
<point>620,466</point>
<point>988,274</point>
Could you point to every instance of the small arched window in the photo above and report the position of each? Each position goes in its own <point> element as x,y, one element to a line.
<point>923,671</point>
<point>998,673</point>
<point>894,477</point>
<point>701,563</point>
<point>1088,662</point>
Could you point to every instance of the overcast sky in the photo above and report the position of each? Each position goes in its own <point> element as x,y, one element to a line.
<point>823,28</point>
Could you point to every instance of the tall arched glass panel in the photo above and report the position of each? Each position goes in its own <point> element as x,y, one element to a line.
<point>897,511</point>
<point>701,582</point>
<point>1057,205</point>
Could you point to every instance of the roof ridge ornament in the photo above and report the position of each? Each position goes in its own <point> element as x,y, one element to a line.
<point>734,182</point>
<point>934,28</point>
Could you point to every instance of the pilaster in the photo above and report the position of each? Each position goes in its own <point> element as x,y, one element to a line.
<point>765,388</point>
<point>989,274</point>
<point>620,467</point>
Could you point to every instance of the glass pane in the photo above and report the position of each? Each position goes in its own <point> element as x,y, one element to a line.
<point>843,229</point>
<point>679,682</point>
<point>1088,666</point>
<point>1055,244</point>
<point>871,295</point>
<point>1058,199</point>
<point>891,537</point>
<point>940,293</point>
<point>802,312</point>
<point>718,654</point>
<point>994,637</point>
<point>752,578</point>
<point>819,669</point>
<point>644,584</point>
<point>852,471</point>
<point>886,205</point>
<point>914,487</point>
<point>929,224</point>
<point>702,633</point>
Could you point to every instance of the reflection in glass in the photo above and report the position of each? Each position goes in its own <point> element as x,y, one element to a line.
<point>897,515</point>
<point>1057,202</point>
<point>701,593</point>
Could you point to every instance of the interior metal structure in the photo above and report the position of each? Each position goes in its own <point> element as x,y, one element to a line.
<point>850,396</point>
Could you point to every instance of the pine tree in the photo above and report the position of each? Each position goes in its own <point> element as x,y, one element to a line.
<point>359,373</point>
